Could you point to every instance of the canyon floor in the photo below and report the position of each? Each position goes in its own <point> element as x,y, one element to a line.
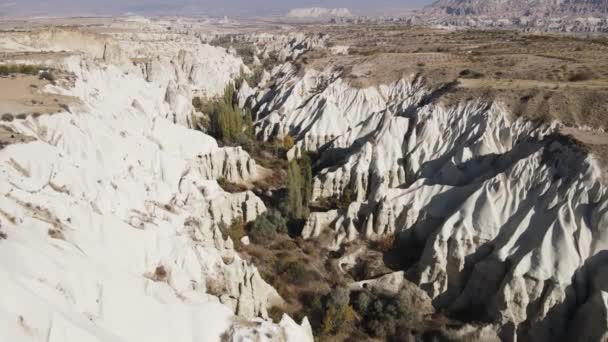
<point>194,179</point>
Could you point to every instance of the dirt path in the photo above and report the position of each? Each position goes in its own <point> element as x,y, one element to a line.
<point>586,136</point>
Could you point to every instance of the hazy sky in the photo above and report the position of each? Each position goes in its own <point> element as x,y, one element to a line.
<point>214,7</point>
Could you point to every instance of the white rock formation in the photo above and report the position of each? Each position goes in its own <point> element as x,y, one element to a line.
<point>319,13</point>
<point>503,217</point>
<point>109,218</point>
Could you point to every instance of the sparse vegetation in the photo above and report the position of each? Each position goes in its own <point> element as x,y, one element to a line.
<point>230,187</point>
<point>386,316</point>
<point>48,76</point>
<point>224,120</point>
<point>288,142</point>
<point>336,202</point>
<point>266,226</point>
<point>236,231</point>
<point>25,69</point>
<point>337,313</point>
<point>580,76</point>
<point>160,273</point>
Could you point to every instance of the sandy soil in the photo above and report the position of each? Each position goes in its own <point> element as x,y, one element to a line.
<point>23,95</point>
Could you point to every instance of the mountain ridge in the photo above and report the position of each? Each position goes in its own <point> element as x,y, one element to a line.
<point>514,8</point>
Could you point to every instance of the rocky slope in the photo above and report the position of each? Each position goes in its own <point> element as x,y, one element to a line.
<point>110,211</point>
<point>499,220</point>
<point>541,15</point>
<point>514,8</point>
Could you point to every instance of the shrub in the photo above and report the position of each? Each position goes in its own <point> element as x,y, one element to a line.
<point>346,199</point>
<point>48,76</point>
<point>466,73</point>
<point>384,316</point>
<point>225,118</point>
<point>275,313</point>
<point>236,231</point>
<point>26,69</point>
<point>384,244</point>
<point>288,142</point>
<point>580,76</point>
<point>160,273</point>
<point>256,77</point>
<point>338,312</point>
<point>214,286</point>
<point>266,226</point>
<point>296,273</point>
<point>229,186</point>
<point>362,302</point>
<point>197,103</point>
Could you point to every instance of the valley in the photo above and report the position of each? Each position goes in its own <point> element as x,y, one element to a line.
<point>191,179</point>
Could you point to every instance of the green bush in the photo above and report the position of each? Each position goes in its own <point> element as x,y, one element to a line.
<point>384,316</point>
<point>295,271</point>
<point>226,121</point>
<point>48,76</point>
<point>236,231</point>
<point>362,302</point>
<point>339,313</point>
<point>26,69</point>
<point>346,199</point>
<point>266,226</point>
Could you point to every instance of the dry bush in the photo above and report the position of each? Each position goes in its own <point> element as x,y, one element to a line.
<point>580,76</point>
<point>215,287</point>
<point>384,244</point>
<point>275,313</point>
<point>160,273</point>
<point>56,234</point>
<point>236,231</point>
<point>230,187</point>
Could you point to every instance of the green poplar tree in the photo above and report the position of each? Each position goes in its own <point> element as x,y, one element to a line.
<point>294,190</point>
<point>306,169</point>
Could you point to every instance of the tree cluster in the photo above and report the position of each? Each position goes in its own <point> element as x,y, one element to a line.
<point>226,121</point>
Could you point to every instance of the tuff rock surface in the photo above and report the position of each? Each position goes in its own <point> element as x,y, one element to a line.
<point>110,213</point>
<point>496,217</point>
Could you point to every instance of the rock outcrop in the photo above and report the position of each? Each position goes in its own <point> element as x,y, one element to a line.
<point>513,8</point>
<point>110,213</point>
<point>502,217</point>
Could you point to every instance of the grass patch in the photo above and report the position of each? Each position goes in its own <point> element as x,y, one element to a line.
<point>24,69</point>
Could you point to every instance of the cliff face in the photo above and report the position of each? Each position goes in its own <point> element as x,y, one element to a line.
<point>496,218</point>
<point>110,212</point>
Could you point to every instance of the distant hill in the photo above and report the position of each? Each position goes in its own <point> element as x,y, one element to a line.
<point>319,13</point>
<point>513,8</point>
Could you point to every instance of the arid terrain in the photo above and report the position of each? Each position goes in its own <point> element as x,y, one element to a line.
<point>204,179</point>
